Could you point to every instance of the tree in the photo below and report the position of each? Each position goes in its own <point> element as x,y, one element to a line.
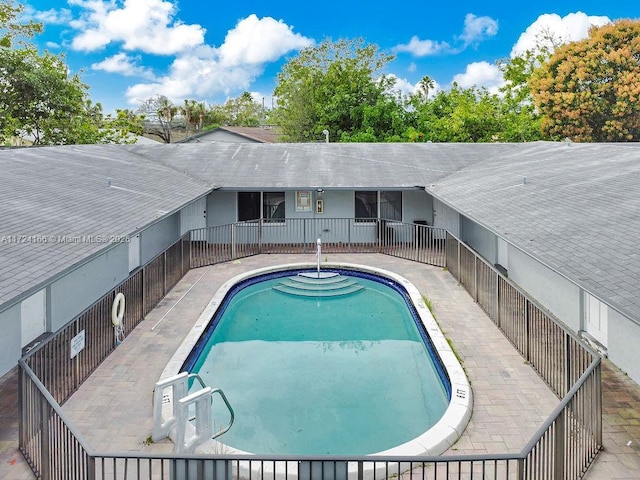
<point>589,91</point>
<point>243,111</point>
<point>334,86</point>
<point>39,100</point>
<point>159,113</point>
<point>10,28</point>
<point>426,85</point>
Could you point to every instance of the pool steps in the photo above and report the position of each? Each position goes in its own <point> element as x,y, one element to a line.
<point>326,285</point>
<point>178,402</point>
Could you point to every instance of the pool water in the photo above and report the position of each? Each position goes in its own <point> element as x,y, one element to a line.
<point>345,375</point>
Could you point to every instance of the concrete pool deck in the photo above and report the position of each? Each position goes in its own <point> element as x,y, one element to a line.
<point>113,411</point>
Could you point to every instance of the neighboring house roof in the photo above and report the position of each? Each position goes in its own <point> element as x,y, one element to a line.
<point>90,190</point>
<point>266,134</point>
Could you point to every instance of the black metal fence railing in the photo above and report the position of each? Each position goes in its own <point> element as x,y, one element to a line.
<point>563,448</point>
<point>572,436</point>
<point>420,243</point>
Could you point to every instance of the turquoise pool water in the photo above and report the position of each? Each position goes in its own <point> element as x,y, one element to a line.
<point>345,375</point>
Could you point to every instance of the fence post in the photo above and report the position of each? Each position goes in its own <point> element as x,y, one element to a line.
<point>520,472</point>
<point>497,303</point>
<point>91,467</point>
<point>233,241</point>
<point>559,447</point>
<point>164,273</point>
<point>475,278</point>
<point>45,451</point>
<point>568,362</point>
<point>527,330</point>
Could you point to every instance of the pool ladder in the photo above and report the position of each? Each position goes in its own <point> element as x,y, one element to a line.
<point>181,401</point>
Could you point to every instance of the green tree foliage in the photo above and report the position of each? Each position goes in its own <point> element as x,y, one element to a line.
<point>460,115</point>
<point>336,86</point>
<point>39,100</point>
<point>589,91</point>
<point>243,111</point>
<point>10,29</point>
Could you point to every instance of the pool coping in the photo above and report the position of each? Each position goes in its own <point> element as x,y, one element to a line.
<point>434,441</point>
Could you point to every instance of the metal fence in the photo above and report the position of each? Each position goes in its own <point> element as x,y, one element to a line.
<point>419,243</point>
<point>563,448</point>
<point>572,436</point>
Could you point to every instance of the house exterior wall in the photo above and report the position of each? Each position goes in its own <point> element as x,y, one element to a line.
<point>623,335</point>
<point>10,340</point>
<point>417,205</point>
<point>33,314</point>
<point>556,293</point>
<point>80,288</point>
<point>159,236</point>
<point>193,216</point>
<point>221,208</point>
<point>446,217</point>
<point>480,239</point>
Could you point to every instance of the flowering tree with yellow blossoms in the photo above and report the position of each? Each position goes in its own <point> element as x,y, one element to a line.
<point>589,91</point>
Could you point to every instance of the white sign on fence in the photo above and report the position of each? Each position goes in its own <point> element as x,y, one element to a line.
<point>77,344</point>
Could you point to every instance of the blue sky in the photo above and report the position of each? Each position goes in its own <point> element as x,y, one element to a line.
<point>130,50</point>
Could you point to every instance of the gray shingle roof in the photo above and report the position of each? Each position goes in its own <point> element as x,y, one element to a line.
<point>94,191</point>
<point>576,207</point>
<point>333,165</point>
<point>577,211</point>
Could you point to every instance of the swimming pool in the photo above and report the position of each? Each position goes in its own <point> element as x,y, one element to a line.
<point>326,385</point>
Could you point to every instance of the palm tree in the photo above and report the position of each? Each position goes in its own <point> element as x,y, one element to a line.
<point>427,83</point>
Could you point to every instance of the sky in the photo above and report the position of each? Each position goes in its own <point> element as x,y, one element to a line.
<point>128,51</point>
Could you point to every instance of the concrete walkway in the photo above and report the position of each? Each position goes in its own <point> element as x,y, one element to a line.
<point>112,409</point>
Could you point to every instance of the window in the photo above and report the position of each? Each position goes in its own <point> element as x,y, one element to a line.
<point>273,206</point>
<point>391,206</point>
<point>248,206</point>
<point>366,205</point>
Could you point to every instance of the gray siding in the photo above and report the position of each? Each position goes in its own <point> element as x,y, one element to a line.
<point>623,335</point>
<point>552,290</point>
<point>480,239</point>
<point>417,205</point>
<point>158,237</point>
<point>221,208</point>
<point>77,290</point>
<point>10,338</point>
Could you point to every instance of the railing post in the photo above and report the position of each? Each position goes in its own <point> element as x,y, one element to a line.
<point>91,467</point>
<point>164,272</point>
<point>497,302</point>
<point>304,235</point>
<point>568,363</point>
<point>527,330</point>
<point>45,451</point>
<point>559,447</point>
<point>520,472</point>
<point>458,273</point>
<point>475,278</point>
<point>233,241</point>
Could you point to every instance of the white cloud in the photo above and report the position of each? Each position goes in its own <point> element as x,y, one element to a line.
<point>143,25</point>
<point>207,71</point>
<point>570,28</point>
<point>255,41</point>
<point>480,74</point>
<point>475,30</point>
<point>51,16</point>
<point>123,64</point>
<point>422,48</point>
